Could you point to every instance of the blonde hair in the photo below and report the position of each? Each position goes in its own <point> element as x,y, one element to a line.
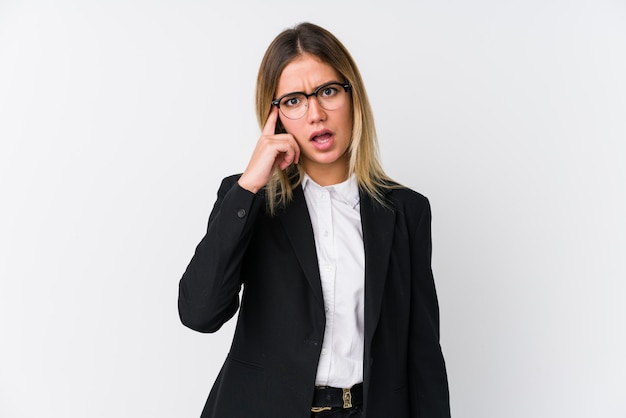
<point>307,38</point>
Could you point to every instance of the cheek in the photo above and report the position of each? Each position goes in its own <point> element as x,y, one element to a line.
<point>347,123</point>
<point>284,124</point>
<point>292,127</point>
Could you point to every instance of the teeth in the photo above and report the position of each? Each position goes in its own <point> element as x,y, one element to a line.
<point>322,138</point>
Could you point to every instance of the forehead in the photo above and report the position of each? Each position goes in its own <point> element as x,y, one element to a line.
<point>305,73</point>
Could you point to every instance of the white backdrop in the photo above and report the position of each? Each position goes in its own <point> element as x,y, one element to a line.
<point>119,118</point>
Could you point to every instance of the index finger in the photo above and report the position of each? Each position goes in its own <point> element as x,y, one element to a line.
<point>270,124</point>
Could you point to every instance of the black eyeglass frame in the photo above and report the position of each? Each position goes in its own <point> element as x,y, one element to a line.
<point>346,88</point>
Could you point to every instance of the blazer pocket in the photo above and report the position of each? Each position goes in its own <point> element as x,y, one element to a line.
<point>245,364</point>
<point>242,388</point>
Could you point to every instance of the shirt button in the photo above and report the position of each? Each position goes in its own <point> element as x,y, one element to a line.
<point>241,213</point>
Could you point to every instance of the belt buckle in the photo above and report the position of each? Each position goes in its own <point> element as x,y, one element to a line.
<point>347,398</point>
<point>317,409</point>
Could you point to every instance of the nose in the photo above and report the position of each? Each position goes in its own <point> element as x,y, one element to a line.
<point>315,112</point>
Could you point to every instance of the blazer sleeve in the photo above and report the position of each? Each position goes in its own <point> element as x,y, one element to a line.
<point>209,288</point>
<point>427,378</point>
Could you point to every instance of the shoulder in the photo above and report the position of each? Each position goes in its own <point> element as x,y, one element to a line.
<point>402,197</point>
<point>412,209</point>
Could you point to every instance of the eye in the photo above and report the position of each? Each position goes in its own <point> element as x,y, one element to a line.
<point>328,91</point>
<point>291,101</point>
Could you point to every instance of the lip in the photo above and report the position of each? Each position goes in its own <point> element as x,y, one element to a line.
<point>325,142</point>
<point>320,133</point>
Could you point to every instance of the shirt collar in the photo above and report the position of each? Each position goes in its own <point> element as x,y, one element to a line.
<point>347,190</point>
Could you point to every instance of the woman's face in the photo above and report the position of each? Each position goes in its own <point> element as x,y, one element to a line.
<point>322,135</point>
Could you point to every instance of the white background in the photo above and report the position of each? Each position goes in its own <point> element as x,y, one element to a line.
<point>119,118</point>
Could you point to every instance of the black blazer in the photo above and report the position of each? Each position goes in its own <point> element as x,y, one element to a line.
<point>271,368</point>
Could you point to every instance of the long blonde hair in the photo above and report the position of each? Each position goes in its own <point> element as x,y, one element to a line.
<point>307,38</point>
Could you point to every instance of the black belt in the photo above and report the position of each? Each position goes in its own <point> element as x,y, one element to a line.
<point>326,396</point>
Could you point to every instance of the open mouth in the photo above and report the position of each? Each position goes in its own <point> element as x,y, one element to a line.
<point>321,137</point>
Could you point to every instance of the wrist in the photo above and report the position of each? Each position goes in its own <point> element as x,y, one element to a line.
<point>247,186</point>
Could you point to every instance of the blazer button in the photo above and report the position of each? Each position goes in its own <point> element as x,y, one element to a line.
<point>241,213</point>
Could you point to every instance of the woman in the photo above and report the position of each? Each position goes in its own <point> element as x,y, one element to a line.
<point>338,314</point>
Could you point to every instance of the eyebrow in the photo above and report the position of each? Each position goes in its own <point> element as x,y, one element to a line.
<point>314,89</point>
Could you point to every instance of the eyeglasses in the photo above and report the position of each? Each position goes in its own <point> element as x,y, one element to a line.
<point>330,96</point>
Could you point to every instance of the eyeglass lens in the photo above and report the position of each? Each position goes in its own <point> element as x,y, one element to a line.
<point>330,97</point>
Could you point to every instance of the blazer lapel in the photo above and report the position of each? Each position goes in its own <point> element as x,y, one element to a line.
<point>377,222</point>
<point>297,225</point>
<point>378,228</point>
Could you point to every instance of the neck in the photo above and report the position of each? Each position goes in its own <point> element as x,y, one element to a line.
<point>327,174</point>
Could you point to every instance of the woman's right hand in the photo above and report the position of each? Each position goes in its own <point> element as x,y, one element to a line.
<point>272,151</point>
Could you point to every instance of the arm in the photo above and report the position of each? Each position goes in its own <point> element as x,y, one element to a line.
<point>428,382</point>
<point>209,289</point>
